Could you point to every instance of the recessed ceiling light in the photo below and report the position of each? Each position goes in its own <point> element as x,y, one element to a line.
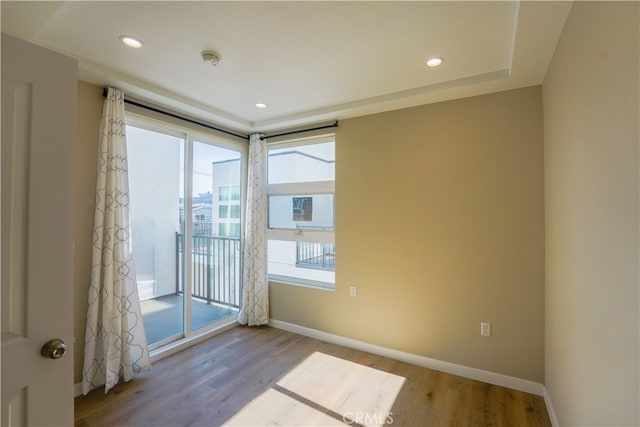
<point>434,62</point>
<point>261,105</point>
<point>131,41</point>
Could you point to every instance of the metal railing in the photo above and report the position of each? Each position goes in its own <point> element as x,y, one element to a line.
<point>318,256</point>
<point>201,228</point>
<point>216,269</point>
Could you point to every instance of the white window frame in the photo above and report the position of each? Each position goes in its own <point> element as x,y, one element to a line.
<point>296,235</point>
<point>191,134</point>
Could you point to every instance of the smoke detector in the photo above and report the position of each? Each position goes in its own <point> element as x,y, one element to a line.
<point>211,57</point>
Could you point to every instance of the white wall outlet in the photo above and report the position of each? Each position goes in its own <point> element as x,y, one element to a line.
<point>352,291</point>
<point>485,329</point>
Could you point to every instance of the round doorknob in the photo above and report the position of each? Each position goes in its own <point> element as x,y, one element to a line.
<point>54,349</point>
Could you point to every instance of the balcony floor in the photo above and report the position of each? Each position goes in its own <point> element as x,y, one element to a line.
<point>162,316</point>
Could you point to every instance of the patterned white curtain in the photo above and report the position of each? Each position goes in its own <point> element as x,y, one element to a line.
<point>115,341</point>
<point>255,293</point>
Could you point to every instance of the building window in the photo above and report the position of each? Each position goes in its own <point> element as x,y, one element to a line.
<point>229,229</point>
<point>302,208</point>
<point>301,187</point>
<point>229,192</point>
<point>229,211</point>
<point>200,217</point>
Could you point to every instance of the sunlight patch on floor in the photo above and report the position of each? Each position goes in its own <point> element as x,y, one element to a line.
<point>273,408</point>
<point>325,390</point>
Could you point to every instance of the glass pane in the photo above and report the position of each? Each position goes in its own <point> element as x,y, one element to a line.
<point>216,234</point>
<point>305,212</point>
<point>229,211</point>
<point>156,168</point>
<point>304,260</point>
<point>305,163</point>
<point>229,192</point>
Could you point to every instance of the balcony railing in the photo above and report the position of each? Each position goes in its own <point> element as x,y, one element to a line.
<point>319,256</point>
<point>216,269</point>
<point>201,228</point>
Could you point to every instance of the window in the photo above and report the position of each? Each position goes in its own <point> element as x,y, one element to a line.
<point>200,217</point>
<point>229,211</point>
<point>229,230</point>
<point>229,192</point>
<point>301,211</point>
<point>301,186</point>
<point>302,208</point>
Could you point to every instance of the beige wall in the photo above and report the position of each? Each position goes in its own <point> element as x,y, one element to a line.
<point>440,224</point>
<point>88,122</point>
<point>591,120</point>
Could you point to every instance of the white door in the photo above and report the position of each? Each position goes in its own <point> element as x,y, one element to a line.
<point>38,137</point>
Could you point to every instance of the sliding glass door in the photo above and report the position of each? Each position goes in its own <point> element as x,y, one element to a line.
<point>186,210</point>
<point>156,191</point>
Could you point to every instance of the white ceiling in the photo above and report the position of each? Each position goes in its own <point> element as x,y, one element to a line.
<point>309,61</point>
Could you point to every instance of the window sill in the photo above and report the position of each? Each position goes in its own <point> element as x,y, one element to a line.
<point>304,283</point>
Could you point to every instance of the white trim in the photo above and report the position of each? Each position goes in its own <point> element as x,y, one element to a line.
<point>297,235</point>
<point>187,237</point>
<point>287,141</point>
<point>550,409</point>
<point>196,338</point>
<point>426,362</point>
<point>305,283</point>
<point>77,389</point>
<point>301,188</point>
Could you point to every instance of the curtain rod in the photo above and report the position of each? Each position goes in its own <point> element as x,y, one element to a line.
<point>176,116</point>
<point>208,126</point>
<point>293,132</point>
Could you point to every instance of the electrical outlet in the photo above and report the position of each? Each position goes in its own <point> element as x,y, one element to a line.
<point>485,329</point>
<point>352,291</point>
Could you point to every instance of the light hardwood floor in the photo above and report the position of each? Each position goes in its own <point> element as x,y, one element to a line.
<point>209,383</point>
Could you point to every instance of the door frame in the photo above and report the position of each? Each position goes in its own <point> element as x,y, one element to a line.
<point>153,121</point>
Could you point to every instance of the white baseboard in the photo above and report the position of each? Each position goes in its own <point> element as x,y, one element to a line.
<point>550,409</point>
<point>426,362</point>
<point>77,389</point>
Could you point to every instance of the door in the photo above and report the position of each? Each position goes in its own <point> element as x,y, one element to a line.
<point>38,133</point>
<point>186,249</point>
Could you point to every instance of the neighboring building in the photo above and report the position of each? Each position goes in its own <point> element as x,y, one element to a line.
<point>299,211</point>
<point>201,214</point>
<point>303,211</point>
<point>226,204</point>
